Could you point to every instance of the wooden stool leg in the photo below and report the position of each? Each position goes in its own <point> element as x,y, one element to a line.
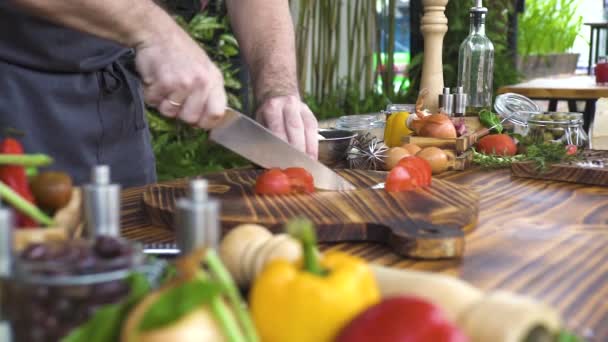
<point>590,52</point>
<point>572,106</point>
<point>588,114</point>
<point>552,105</point>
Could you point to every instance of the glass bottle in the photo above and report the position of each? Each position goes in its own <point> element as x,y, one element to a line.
<point>476,63</point>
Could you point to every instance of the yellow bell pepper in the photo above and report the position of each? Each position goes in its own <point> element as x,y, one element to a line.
<point>396,128</point>
<point>312,300</point>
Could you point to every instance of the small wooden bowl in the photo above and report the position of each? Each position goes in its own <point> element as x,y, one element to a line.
<point>68,225</point>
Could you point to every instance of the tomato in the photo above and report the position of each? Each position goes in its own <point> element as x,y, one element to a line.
<point>498,144</point>
<point>273,182</point>
<point>300,180</point>
<point>399,179</point>
<point>421,167</point>
<point>571,150</point>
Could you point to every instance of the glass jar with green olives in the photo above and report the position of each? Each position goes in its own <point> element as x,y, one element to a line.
<point>566,128</point>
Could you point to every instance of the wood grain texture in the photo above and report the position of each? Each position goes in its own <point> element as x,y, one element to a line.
<point>559,87</point>
<point>544,239</point>
<point>426,223</point>
<point>592,169</point>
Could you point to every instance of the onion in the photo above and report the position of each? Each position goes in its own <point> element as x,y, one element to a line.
<point>437,126</point>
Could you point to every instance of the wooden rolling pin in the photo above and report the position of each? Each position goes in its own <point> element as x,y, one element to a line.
<point>495,316</point>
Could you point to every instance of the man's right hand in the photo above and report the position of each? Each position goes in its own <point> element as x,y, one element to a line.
<point>180,79</point>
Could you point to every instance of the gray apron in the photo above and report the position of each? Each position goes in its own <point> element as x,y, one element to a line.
<point>76,97</point>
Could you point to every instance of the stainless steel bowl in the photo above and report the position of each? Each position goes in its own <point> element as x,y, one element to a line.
<point>333,148</point>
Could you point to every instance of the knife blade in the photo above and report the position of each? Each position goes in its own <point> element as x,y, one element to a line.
<point>256,143</point>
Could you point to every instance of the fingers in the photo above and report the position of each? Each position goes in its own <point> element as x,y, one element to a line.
<point>271,113</point>
<point>182,82</point>
<point>215,108</point>
<point>294,126</point>
<point>291,120</point>
<point>311,128</point>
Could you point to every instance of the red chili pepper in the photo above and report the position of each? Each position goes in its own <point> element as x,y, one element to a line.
<point>15,177</point>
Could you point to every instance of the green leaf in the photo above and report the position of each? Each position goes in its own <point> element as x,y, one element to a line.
<point>567,336</point>
<point>179,301</point>
<point>106,323</point>
<point>490,120</point>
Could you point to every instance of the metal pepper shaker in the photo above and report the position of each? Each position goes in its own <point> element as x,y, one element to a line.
<point>101,204</point>
<point>197,218</point>
<point>446,102</point>
<point>460,102</point>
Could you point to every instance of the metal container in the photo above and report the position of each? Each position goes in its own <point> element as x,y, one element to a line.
<point>197,218</point>
<point>334,145</point>
<point>101,204</point>
<point>446,102</point>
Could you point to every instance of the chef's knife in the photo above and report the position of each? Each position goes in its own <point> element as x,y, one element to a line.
<point>259,145</point>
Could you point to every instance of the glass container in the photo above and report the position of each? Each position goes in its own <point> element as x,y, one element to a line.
<point>476,63</point>
<point>566,128</point>
<point>363,124</point>
<point>57,286</point>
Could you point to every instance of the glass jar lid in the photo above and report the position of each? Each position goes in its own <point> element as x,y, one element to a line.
<point>557,119</point>
<point>396,107</point>
<point>359,122</point>
<point>515,108</point>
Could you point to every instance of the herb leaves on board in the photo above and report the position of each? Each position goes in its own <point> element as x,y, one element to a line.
<point>490,120</point>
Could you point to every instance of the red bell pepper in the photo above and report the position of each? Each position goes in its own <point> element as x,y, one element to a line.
<point>15,177</point>
<point>401,319</point>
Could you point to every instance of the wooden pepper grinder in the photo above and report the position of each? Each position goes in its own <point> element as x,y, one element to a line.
<point>434,25</point>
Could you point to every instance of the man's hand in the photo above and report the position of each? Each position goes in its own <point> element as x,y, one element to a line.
<point>180,80</point>
<point>291,120</point>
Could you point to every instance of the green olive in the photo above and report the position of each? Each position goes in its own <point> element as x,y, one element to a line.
<point>573,117</point>
<point>547,117</point>
<point>557,133</point>
<point>52,190</point>
<point>560,117</point>
<point>548,136</point>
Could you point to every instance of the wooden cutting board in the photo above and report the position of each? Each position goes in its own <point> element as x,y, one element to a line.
<point>592,169</point>
<point>426,223</point>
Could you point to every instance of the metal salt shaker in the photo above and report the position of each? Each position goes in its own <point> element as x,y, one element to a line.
<point>446,102</point>
<point>6,265</point>
<point>460,102</point>
<point>101,204</point>
<point>197,218</point>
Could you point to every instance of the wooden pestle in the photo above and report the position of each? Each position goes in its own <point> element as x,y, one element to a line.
<point>493,316</point>
<point>434,25</point>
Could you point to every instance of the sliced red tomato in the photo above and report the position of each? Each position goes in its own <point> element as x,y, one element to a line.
<point>399,179</point>
<point>273,182</point>
<point>300,179</point>
<point>418,167</point>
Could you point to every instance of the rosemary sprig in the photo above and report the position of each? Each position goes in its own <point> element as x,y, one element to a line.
<point>494,161</point>
<point>544,155</point>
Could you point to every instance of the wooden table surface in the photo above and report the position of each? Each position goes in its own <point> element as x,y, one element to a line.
<point>575,87</point>
<point>544,239</point>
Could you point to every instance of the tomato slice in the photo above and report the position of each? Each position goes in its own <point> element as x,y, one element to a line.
<point>422,166</point>
<point>300,179</point>
<point>399,179</point>
<point>273,182</point>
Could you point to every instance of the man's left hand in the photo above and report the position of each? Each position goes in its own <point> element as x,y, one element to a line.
<point>291,120</point>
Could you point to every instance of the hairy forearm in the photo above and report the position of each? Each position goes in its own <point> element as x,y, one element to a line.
<point>265,33</point>
<point>130,23</point>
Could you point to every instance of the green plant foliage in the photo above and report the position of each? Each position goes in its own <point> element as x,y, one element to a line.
<point>548,26</point>
<point>184,151</point>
